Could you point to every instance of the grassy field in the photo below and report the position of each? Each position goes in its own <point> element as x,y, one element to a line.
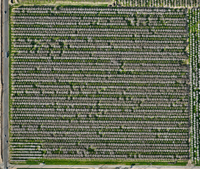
<point>100,162</point>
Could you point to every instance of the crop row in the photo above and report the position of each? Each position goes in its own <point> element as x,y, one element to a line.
<point>158,3</point>
<point>93,84</point>
<point>193,16</point>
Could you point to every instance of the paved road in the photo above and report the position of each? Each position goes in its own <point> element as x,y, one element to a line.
<point>5,70</point>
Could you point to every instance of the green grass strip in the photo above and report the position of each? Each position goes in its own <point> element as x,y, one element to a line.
<point>100,162</point>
